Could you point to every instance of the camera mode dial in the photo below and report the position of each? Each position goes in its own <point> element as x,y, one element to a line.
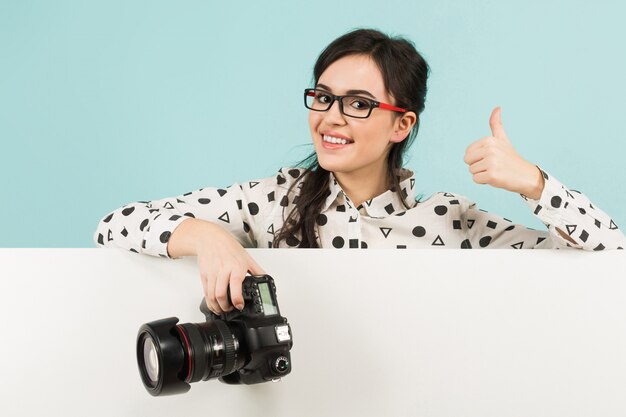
<point>281,364</point>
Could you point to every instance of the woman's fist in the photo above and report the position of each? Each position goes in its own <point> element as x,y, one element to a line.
<point>493,160</point>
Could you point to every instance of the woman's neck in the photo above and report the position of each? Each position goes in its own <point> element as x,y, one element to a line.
<point>361,186</point>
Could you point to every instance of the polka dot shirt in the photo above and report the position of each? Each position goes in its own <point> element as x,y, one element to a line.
<point>254,211</point>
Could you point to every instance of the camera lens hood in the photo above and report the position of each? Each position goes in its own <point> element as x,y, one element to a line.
<point>170,357</point>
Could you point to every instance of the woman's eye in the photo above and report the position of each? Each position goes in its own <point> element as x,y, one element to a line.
<point>359,104</point>
<point>323,98</point>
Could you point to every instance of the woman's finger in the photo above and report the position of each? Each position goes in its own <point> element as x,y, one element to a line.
<point>483,177</point>
<point>479,143</point>
<point>475,154</point>
<point>254,268</point>
<point>208,285</point>
<point>236,294</point>
<point>221,289</point>
<point>478,166</point>
<point>495,123</point>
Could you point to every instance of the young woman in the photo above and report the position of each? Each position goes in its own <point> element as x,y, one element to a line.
<point>352,192</point>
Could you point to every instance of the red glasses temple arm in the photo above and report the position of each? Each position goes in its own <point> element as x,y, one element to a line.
<point>390,107</point>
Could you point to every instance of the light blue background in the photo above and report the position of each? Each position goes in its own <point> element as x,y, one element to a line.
<point>107,102</point>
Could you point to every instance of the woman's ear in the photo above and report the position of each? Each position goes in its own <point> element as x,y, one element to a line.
<point>403,127</point>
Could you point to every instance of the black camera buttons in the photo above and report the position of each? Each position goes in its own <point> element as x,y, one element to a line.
<point>247,291</point>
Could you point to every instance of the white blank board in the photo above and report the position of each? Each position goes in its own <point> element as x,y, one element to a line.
<point>429,333</point>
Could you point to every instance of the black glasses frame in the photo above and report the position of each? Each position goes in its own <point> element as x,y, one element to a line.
<point>310,92</point>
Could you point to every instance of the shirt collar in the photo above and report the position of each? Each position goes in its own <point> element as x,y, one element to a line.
<point>383,205</point>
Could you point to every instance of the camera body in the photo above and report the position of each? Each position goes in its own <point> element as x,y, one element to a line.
<point>238,347</point>
<point>260,327</point>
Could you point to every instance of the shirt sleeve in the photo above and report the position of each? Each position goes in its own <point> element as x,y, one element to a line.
<point>557,208</point>
<point>146,226</point>
<point>574,214</point>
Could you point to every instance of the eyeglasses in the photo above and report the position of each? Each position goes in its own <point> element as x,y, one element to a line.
<point>353,106</point>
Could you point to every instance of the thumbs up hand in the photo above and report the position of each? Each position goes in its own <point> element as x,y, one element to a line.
<point>493,160</point>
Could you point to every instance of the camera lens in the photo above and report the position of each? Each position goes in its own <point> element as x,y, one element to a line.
<point>161,358</point>
<point>151,360</point>
<point>171,356</point>
<point>212,350</point>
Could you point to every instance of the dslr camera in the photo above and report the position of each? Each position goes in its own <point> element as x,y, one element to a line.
<point>237,347</point>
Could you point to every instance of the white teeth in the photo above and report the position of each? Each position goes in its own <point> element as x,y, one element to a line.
<point>335,140</point>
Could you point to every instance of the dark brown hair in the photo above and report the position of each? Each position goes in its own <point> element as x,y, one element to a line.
<point>404,73</point>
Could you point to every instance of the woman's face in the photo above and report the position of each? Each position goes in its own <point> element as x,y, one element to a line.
<point>372,137</point>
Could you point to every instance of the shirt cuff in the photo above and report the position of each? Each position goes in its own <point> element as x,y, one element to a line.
<point>551,200</point>
<point>159,233</point>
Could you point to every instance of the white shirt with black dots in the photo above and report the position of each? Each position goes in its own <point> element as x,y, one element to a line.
<point>252,212</point>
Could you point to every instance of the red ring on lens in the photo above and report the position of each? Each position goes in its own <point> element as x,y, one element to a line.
<point>182,331</point>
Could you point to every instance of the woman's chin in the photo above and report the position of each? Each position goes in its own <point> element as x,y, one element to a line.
<point>332,166</point>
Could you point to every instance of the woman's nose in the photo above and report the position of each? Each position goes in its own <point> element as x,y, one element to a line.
<point>333,114</point>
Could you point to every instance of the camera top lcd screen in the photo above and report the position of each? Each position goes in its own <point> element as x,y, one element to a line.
<point>266,298</point>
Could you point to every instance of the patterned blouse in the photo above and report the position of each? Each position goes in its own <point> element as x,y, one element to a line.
<point>254,211</point>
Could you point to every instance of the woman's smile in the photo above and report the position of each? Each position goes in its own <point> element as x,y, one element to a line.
<point>334,142</point>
